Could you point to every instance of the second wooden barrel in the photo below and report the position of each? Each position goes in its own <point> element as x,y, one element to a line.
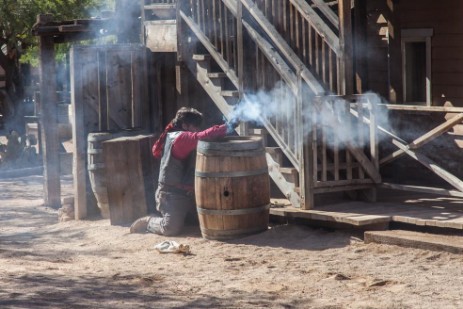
<point>96,169</point>
<point>232,187</point>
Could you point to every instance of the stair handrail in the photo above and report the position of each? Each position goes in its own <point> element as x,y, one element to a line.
<point>318,24</point>
<point>327,12</point>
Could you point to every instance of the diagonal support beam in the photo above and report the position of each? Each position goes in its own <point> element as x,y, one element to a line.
<point>430,164</point>
<point>426,138</point>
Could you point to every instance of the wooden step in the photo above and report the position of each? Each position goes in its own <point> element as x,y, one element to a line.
<point>262,133</point>
<point>231,96</point>
<point>217,78</point>
<point>216,75</point>
<point>426,241</point>
<point>201,57</point>
<point>276,153</point>
<point>258,131</point>
<point>291,175</point>
<point>230,93</point>
<point>203,66</point>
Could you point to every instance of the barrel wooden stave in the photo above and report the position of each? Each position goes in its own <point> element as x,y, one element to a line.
<point>96,169</point>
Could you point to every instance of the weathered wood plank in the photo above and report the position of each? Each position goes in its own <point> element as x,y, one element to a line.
<point>426,241</point>
<point>418,108</point>
<point>129,177</point>
<point>351,218</point>
<point>79,138</point>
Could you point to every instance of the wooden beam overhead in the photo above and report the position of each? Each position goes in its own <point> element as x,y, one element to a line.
<point>73,30</point>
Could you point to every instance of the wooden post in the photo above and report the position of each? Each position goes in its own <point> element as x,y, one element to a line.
<point>244,127</point>
<point>395,86</point>
<point>307,171</point>
<point>79,163</point>
<point>181,84</point>
<point>48,119</point>
<point>182,44</point>
<point>360,46</point>
<point>345,43</point>
<point>181,71</point>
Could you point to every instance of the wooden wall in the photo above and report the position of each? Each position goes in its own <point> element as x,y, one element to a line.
<point>108,93</point>
<point>377,46</point>
<point>177,88</point>
<point>445,18</point>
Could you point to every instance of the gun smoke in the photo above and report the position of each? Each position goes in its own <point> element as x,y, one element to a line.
<point>334,116</point>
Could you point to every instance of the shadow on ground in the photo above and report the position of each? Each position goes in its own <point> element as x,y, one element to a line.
<point>117,291</point>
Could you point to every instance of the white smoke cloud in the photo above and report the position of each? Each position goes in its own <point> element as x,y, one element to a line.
<point>339,120</point>
<point>255,107</point>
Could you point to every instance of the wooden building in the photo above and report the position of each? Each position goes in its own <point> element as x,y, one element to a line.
<point>328,59</point>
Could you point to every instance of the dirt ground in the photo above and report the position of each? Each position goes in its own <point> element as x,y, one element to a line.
<point>91,264</point>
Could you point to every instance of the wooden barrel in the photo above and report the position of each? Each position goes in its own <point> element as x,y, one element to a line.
<point>96,169</point>
<point>232,187</point>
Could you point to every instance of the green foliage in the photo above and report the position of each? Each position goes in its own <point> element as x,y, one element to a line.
<point>18,16</point>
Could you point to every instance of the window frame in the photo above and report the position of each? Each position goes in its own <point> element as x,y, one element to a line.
<point>411,36</point>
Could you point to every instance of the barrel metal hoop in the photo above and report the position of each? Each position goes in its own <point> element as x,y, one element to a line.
<point>96,166</point>
<point>232,174</point>
<point>221,153</point>
<point>217,234</point>
<point>235,144</point>
<point>232,212</point>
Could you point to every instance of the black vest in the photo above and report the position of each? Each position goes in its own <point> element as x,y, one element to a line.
<point>174,172</point>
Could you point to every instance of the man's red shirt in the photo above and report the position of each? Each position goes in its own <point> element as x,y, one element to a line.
<point>187,141</point>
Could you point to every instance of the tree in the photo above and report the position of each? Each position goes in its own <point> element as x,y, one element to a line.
<point>17,45</point>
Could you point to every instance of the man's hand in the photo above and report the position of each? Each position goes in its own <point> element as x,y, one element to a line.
<point>232,124</point>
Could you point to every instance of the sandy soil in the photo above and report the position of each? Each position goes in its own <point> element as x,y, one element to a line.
<point>91,264</point>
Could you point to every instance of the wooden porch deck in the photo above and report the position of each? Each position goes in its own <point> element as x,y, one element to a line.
<point>421,210</point>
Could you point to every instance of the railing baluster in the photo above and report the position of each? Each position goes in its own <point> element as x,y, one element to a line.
<point>214,24</point>
<point>222,30</point>
<point>360,139</point>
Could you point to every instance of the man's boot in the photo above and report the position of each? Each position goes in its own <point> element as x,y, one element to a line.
<point>140,225</point>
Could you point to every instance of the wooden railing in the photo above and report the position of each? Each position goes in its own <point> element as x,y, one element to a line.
<point>218,23</point>
<point>310,36</point>
<point>349,158</point>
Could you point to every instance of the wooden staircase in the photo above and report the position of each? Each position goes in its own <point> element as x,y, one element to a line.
<point>236,47</point>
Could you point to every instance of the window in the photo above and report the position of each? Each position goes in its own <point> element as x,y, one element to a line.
<point>416,66</point>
